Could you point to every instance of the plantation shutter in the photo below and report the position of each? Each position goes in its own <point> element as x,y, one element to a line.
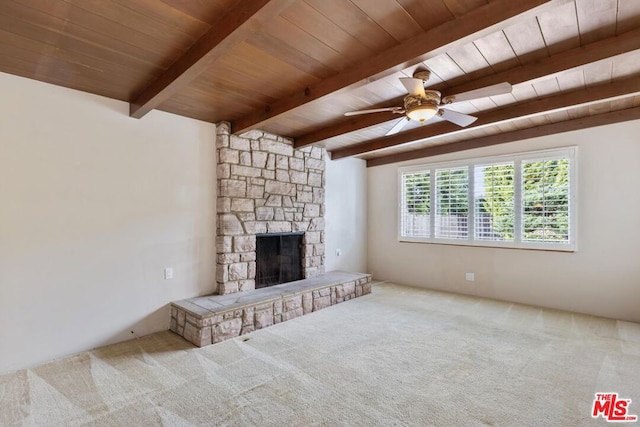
<point>415,206</point>
<point>494,215</point>
<point>452,203</point>
<point>545,200</point>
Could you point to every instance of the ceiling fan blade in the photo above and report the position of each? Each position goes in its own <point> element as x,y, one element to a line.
<point>397,127</point>
<point>497,89</point>
<point>460,119</point>
<point>374,110</point>
<point>414,86</point>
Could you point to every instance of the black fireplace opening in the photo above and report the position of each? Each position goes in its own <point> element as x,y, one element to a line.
<point>278,258</point>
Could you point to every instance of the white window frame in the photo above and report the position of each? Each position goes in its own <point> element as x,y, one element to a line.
<point>540,155</point>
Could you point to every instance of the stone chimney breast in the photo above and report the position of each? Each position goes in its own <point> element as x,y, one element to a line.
<point>265,186</point>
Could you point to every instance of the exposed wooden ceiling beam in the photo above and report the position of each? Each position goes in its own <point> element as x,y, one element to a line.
<point>550,129</point>
<point>545,68</point>
<point>237,25</point>
<point>583,97</point>
<point>458,32</point>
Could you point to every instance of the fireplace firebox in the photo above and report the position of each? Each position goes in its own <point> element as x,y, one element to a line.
<point>278,258</point>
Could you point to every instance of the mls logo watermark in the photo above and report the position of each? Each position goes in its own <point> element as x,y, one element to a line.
<point>612,408</point>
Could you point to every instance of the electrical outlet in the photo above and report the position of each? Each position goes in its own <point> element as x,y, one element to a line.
<point>469,277</point>
<point>168,273</point>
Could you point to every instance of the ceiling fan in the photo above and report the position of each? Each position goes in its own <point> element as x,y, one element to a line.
<point>422,104</point>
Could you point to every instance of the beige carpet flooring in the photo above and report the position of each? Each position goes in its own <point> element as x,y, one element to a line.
<point>398,357</point>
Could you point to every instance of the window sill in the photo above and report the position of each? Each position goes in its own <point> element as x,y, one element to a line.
<point>558,247</point>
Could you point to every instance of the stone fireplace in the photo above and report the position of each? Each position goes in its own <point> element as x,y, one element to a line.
<point>265,186</point>
<point>270,201</point>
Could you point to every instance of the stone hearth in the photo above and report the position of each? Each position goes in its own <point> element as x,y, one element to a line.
<point>265,186</point>
<point>211,319</point>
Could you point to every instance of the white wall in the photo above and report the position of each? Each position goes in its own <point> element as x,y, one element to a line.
<point>601,278</point>
<point>93,206</point>
<point>346,215</point>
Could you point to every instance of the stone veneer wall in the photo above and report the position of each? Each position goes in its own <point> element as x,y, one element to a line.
<point>265,186</point>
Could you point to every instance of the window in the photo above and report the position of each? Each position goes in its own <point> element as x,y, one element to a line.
<point>494,215</point>
<point>525,200</point>
<point>452,203</point>
<point>416,203</point>
<point>545,197</point>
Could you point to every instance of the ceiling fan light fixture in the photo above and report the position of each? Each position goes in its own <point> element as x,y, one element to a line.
<point>422,108</point>
<point>422,113</point>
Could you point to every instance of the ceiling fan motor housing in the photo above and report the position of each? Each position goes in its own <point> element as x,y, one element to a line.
<point>430,101</point>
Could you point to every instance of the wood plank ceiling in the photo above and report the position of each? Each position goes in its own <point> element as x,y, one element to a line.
<point>294,67</point>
